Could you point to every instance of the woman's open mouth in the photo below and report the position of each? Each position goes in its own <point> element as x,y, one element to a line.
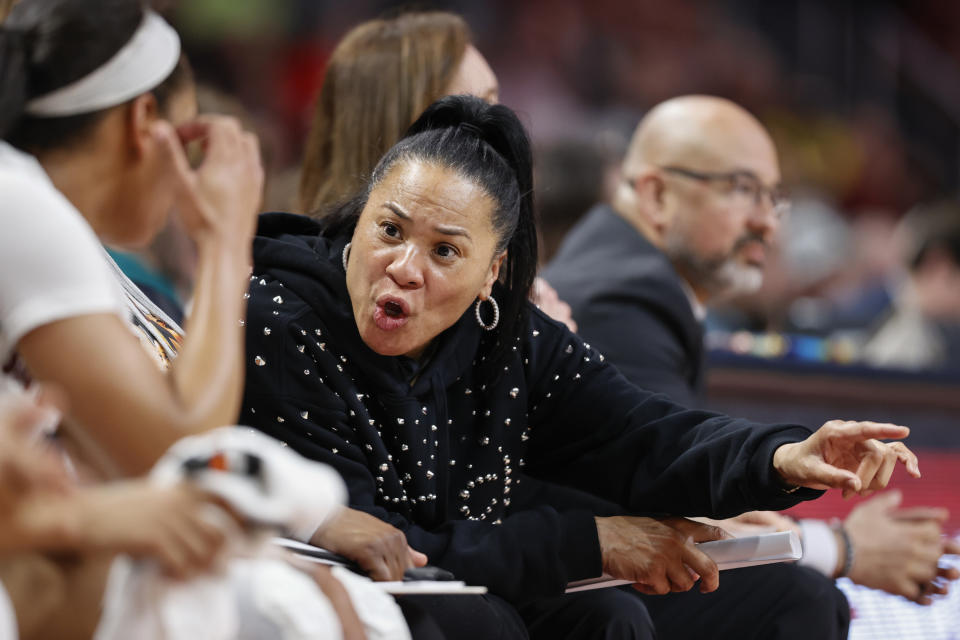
<point>391,313</point>
<point>393,309</point>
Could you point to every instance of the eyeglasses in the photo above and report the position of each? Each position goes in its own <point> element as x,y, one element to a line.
<point>743,186</point>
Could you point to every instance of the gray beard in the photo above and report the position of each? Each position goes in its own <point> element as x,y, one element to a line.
<point>720,277</point>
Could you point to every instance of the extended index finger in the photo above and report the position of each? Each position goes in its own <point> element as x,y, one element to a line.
<point>878,430</point>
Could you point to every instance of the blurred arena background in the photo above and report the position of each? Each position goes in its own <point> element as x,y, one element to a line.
<point>863,100</point>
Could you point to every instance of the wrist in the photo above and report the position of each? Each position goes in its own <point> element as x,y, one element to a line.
<point>223,243</point>
<point>324,536</point>
<point>845,551</point>
<point>44,522</point>
<point>780,464</point>
<point>225,265</point>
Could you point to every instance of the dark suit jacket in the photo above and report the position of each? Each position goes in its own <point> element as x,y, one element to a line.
<point>629,303</point>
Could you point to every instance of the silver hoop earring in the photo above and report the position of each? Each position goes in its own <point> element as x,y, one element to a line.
<point>345,255</point>
<point>496,314</point>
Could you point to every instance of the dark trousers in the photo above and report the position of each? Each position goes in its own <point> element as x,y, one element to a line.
<point>484,617</point>
<point>781,601</point>
<point>774,602</point>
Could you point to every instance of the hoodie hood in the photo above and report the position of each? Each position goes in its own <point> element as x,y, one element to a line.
<point>290,248</point>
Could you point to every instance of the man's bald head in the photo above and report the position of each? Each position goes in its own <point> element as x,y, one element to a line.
<point>704,133</point>
<point>698,181</point>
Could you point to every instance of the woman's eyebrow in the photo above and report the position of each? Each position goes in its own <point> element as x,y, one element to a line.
<point>446,230</point>
<point>397,209</point>
<point>451,231</point>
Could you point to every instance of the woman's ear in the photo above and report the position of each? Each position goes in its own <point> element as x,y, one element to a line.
<point>492,276</point>
<point>141,115</point>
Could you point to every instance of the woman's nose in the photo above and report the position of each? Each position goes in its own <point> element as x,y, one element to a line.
<point>406,269</point>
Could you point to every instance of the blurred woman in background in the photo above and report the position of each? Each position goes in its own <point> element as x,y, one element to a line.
<point>380,77</point>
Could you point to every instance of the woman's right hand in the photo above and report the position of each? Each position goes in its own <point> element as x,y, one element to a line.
<point>658,554</point>
<point>379,548</point>
<point>221,196</point>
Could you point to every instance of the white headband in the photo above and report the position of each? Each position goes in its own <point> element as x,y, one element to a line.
<point>140,65</point>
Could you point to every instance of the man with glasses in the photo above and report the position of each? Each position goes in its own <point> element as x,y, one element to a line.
<point>691,221</point>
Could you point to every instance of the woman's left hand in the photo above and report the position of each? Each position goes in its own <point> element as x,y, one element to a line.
<point>846,455</point>
<point>377,546</point>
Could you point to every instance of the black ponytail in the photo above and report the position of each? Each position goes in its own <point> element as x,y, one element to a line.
<point>13,77</point>
<point>46,45</point>
<point>486,144</point>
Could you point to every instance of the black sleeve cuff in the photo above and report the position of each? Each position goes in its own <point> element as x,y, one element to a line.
<point>769,489</point>
<point>580,546</point>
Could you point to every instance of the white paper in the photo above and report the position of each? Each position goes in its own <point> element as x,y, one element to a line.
<point>429,587</point>
<point>782,546</point>
<point>748,551</point>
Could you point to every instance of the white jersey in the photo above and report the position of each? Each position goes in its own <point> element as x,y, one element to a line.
<point>52,266</point>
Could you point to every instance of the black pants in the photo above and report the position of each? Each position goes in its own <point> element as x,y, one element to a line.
<point>781,601</point>
<point>774,602</point>
<point>484,617</point>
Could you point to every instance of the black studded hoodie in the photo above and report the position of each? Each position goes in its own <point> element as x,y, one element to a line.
<point>441,451</point>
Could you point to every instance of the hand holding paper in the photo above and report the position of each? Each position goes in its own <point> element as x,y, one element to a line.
<point>658,555</point>
<point>846,455</point>
<point>729,553</point>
